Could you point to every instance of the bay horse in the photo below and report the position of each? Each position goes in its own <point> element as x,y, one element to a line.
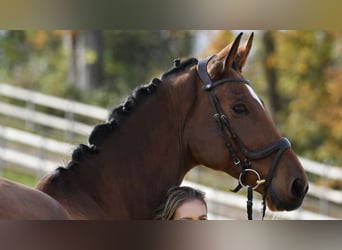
<point>198,113</point>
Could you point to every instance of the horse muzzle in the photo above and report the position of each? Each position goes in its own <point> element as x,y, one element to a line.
<point>292,200</point>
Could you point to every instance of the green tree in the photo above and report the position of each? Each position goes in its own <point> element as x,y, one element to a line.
<point>33,59</point>
<point>303,59</point>
<point>74,63</point>
<point>132,57</point>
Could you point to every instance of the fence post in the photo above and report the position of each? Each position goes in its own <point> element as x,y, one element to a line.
<point>69,115</point>
<point>30,107</point>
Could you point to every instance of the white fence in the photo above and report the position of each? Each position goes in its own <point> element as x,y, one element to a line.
<point>40,164</point>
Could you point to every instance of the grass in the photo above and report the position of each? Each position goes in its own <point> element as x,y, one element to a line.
<point>18,176</point>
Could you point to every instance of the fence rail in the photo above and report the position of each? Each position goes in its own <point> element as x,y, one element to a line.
<point>52,101</point>
<point>40,164</point>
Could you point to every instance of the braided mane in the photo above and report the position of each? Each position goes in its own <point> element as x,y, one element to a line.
<point>101,131</point>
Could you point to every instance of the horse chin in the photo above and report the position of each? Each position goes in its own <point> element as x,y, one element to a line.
<point>274,203</point>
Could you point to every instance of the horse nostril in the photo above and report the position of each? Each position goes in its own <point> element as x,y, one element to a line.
<point>298,189</point>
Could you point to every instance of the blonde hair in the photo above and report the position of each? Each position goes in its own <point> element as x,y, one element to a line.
<point>174,198</point>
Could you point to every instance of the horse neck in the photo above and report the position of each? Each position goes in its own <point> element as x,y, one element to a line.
<point>148,153</point>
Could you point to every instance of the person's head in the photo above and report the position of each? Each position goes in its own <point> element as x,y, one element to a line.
<point>183,203</point>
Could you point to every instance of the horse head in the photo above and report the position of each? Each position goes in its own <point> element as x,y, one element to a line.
<point>230,130</point>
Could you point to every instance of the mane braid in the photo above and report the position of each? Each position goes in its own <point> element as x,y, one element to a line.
<point>180,66</point>
<point>101,131</point>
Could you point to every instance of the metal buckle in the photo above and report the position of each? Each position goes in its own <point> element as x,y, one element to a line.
<point>237,162</point>
<point>258,182</point>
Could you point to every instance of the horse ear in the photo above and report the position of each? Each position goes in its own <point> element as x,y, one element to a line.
<point>232,53</point>
<point>225,58</point>
<point>243,52</point>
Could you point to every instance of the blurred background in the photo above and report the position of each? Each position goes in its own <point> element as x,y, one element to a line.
<point>55,85</point>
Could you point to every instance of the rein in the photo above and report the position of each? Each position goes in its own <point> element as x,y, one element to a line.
<point>244,166</point>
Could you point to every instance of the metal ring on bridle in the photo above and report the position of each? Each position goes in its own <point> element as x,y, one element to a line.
<point>258,182</point>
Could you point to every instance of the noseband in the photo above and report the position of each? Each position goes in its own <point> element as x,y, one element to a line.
<point>221,119</point>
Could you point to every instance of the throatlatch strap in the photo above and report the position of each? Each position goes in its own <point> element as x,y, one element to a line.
<point>250,203</point>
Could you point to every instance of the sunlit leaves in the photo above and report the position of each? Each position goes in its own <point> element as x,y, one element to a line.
<point>311,81</point>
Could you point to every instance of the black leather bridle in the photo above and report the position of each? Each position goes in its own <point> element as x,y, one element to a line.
<point>221,119</point>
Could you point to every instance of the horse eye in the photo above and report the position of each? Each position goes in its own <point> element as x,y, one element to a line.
<point>240,109</point>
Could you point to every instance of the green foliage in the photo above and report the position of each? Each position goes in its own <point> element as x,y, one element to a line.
<point>38,60</point>
<point>134,57</point>
<point>303,59</point>
<point>33,59</point>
